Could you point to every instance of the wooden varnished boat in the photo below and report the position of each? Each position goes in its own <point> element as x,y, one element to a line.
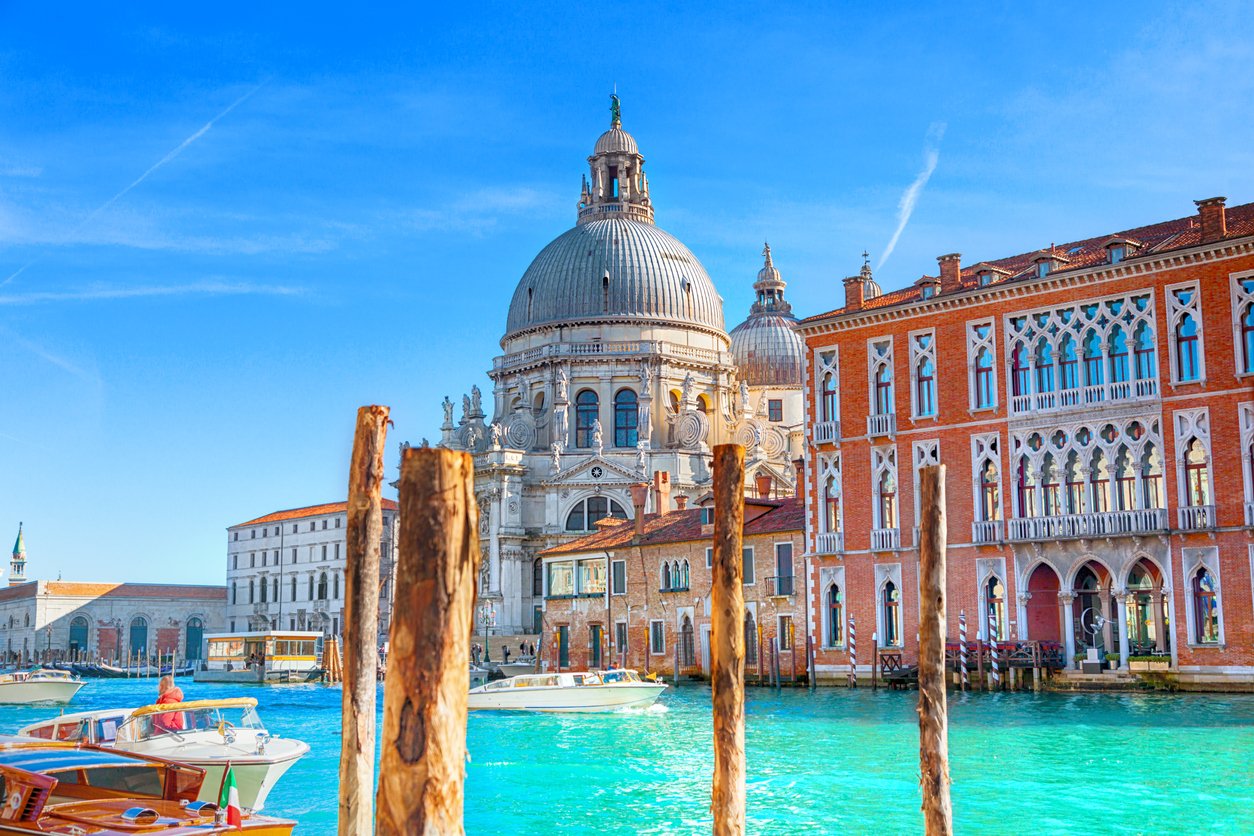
<point>51,787</point>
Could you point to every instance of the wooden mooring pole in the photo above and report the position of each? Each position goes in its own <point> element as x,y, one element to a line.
<point>727,634</point>
<point>361,621</point>
<point>421,770</point>
<point>933,701</point>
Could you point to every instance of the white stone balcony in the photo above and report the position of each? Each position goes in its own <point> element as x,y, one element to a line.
<point>1084,397</point>
<point>986,531</point>
<point>1249,513</point>
<point>1196,517</point>
<point>881,425</point>
<point>829,542</point>
<point>885,539</point>
<point>826,432</point>
<point>1070,526</point>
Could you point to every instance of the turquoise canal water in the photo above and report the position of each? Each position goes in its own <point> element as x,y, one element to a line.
<point>833,761</point>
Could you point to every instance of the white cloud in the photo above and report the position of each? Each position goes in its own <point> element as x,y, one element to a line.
<point>910,197</point>
<point>107,293</point>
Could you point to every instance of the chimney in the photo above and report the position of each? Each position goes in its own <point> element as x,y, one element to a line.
<point>950,272</point>
<point>639,496</point>
<point>763,481</point>
<point>1214,219</point>
<point>854,292</point>
<point>800,465</point>
<point>681,502</point>
<point>662,491</point>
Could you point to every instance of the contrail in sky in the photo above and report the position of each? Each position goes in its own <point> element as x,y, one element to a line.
<point>178,149</point>
<point>905,208</point>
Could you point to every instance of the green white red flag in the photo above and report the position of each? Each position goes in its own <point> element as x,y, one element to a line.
<point>229,799</point>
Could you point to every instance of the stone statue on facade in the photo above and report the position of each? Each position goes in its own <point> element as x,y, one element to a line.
<point>465,408</point>
<point>641,464</point>
<point>473,436</point>
<point>762,404</point>
<point>476,400</point>
<point>555,464</point>
<point>563,384</point>
<point>685,392</point>
<point>744,399</point>
<point>646,381</point>
<point>598,438</point>
<point>448,411</point>
<point>495,431</point>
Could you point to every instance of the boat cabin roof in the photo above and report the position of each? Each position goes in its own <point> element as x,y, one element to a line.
<point>194,705</point>
<point>43,757</point>
<point>302,635</point>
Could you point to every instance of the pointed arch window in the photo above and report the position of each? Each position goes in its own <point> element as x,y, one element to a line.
<point>883,389</point>
<point>923,370</point>
<point>1049,487</point>
<point>995,608</point>
<point>666,576</point>
<point>1247,334</point>
<point>587,407</point>
<point>1196,474</point>
<point>1020,373</point>
<point>984,398</point>
<point>887,499</point>
<point>1119,371</point>
<point>831,506</point>
<point>1125,480</point>
<point>829,397</point>
<point>1205,608</point>
<point>1093,359</point>
<point>990,500</point>
<point>1025,487</point>
<point>1152,477</point>
<point>626,418</point>
<point>1100,477</point>
<point>322,586</point>
<point>1143,353</point>
<point>1044,367</point>
<point>890,611</point>
<point>835,617</point>
<point>1068,365</point>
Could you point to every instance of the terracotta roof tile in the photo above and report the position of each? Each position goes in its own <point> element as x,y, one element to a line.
<point>1077,255</point>
<point>311,511</point>
<point>683,526</point>
<point>114,590</point>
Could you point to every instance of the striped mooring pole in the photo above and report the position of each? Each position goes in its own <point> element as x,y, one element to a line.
<point>853,655</point>
<point>992,650</point>
<point>962,648</point>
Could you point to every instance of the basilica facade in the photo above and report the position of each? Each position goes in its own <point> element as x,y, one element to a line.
<point>617,369</point>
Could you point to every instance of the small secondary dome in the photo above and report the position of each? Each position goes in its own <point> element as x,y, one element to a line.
<point>616,141</point>
<point>767,349</point>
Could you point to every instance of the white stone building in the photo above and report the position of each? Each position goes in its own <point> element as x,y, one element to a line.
<point>286,570</point>
<point>616,367</point>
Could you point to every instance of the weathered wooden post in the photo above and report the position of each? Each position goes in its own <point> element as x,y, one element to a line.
<point>424,710</point>
<point>933,700</point>
<point>727,634</point>
<point>361,621</point>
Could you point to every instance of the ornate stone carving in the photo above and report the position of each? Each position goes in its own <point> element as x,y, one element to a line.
<point>495,431</point>
<point>447,405</point>
<point>555,462</point>
<point>563,385</point>
<point>598,439</point>
<point>520,433</point>
<point>475,400</point>
<point>691,429</point>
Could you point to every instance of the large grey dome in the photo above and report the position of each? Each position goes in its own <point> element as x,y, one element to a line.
<point>611,270</point>
<point>768,351</point>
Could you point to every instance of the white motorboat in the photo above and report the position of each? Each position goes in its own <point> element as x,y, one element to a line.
<point>205,733</point>
<point>39,685</point>
<point>517,668</point>
<point>587,691</point>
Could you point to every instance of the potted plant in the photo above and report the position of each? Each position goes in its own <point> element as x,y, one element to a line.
<point>1112,661</point>
<point>1145,664</point>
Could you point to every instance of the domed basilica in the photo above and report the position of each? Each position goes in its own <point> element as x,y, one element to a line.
<point>616,369</point>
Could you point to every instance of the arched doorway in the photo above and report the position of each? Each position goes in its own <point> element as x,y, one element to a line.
<point>78,635</point>
<point>1093,610</point>
<point>139,637</point>
<point>751,639</point>
<point>1042,608</point>
<point>195,637</point>
<point>686,653</point>
<point>1148,628</point>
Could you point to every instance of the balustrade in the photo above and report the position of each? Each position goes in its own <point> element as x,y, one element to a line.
<point>1197,517</point>
<point>986,531</point>
<point>881,425</point>
<point>1085,396</point>
<point>885,539</point>
<point>830,542</point>
<point>826,432</point>
<point>1109,523</point>
<point>614,348</point>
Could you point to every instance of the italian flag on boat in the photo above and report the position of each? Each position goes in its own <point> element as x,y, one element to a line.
<point>229,800</point>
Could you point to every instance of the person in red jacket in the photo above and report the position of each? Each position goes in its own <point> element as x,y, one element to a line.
<point>168,692</point>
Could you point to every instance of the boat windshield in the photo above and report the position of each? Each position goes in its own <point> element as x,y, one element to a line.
<point>205,718</point>
<point>619,676</point>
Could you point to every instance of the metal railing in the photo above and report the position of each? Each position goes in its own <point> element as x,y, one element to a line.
<point>885,539</point>
<point>782,585</point>
<point>612,348</point>
<point>986,531</point>
<point>826,432</point>
<point>1084,396</point>
<point>1109,523</point>
<point>829,542</point>
<point>1197,517</point>
<point>880,425</point>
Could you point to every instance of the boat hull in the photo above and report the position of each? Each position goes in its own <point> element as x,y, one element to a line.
<point>569,699</point>
<point>30,691</point>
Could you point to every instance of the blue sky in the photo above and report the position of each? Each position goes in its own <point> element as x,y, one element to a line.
<point>189,317</point>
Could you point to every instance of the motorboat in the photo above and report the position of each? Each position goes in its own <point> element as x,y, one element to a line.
<point>265,657</point>
<point>67,788</point>
<point>567,691</point>
<point>517,668</point>
<point>207,734</point>
<point>38,685</point>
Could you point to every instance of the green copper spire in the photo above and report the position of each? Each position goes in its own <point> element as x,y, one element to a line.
<point>616,115</point>
<point>19,546</point>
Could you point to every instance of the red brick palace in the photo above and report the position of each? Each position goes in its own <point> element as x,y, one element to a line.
<point>1094,405</point>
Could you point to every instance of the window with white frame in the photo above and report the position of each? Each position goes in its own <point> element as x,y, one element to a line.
<point>709,557</point>
<point>827,381</point>
<point>1193,457</point>
<point>833,615</point>
<point>1204,595</point>
<point>884,486</point>
<point>993,596</point>
<point>981,352</point>
<point>829,493</point>
<point>880,366</point>
<point>1243,322</point>
<point>890,615</point>
<point>986,468</point>
<point>1184,324</point>
<point>618,577</point>
<point>923,454</point>
<point>923,374</point>
<point>657,637</point>
<point>746,562</point>
<point>1246,418</point>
